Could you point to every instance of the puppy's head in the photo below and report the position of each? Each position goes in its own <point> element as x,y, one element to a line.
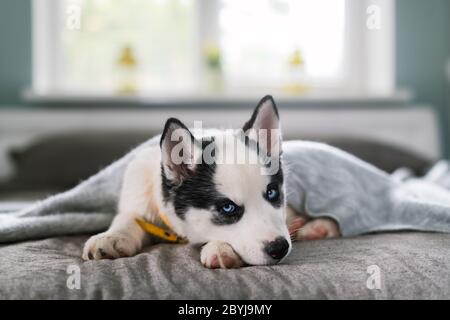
<point>229,186</point>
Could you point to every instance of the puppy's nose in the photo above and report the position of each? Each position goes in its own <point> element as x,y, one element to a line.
<point>278,248</point>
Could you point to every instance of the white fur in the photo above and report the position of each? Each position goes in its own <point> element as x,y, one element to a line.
<point>218,254</point>
<point>141,197</point>
<point>243,182</point>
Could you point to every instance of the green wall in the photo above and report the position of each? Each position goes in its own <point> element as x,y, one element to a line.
<point>423,45</point>
<point>423,49</point>
<point>15,49</point>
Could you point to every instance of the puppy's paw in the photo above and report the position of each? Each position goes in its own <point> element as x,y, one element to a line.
<point>294,225</point>
<point>217,254</point>
<point>316,229</point>
<point>110,245</point>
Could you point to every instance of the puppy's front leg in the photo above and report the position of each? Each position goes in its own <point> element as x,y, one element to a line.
<point>320,228</point>
<point>313,229</point>
<point>218,254</point>
<point>123,239</point>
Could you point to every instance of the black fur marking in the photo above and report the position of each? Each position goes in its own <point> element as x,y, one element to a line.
<point>252,144</point>
<point>224,219</point>
<point>198,191</point>
<point>277,180</point>
<point>182,170</point>
<point>249,123</point>
<point>169,124</point>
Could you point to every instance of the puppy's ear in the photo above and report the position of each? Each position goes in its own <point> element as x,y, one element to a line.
<point>179,151</point>
<point>264,126</point>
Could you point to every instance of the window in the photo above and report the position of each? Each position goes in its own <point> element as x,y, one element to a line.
<point>167,47</point>
<point>281,28</point>
<point>159,34</point>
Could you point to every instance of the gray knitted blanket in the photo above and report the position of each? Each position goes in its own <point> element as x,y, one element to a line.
<point>320,181</point>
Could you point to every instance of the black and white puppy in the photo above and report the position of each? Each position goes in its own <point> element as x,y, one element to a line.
<point>210,191</point>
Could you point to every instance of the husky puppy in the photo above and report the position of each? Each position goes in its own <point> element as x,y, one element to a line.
<point>236,210</point>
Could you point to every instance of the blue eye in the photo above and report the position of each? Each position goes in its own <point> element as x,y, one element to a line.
<point>228,208</point>
<point>272,194</point>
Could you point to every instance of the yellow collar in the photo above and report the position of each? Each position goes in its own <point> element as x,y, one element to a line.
<point>165,234</point>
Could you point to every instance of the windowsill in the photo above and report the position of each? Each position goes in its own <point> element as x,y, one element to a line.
<point>399,97</point>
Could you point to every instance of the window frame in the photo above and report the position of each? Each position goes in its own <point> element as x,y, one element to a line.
<point>369,55</point>
<point>46,46</point>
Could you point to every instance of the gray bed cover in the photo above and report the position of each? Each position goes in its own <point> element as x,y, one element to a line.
<point>413,265</point>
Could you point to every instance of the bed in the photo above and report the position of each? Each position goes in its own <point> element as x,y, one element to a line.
<point>401,265</point>
<point>412,266</point>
